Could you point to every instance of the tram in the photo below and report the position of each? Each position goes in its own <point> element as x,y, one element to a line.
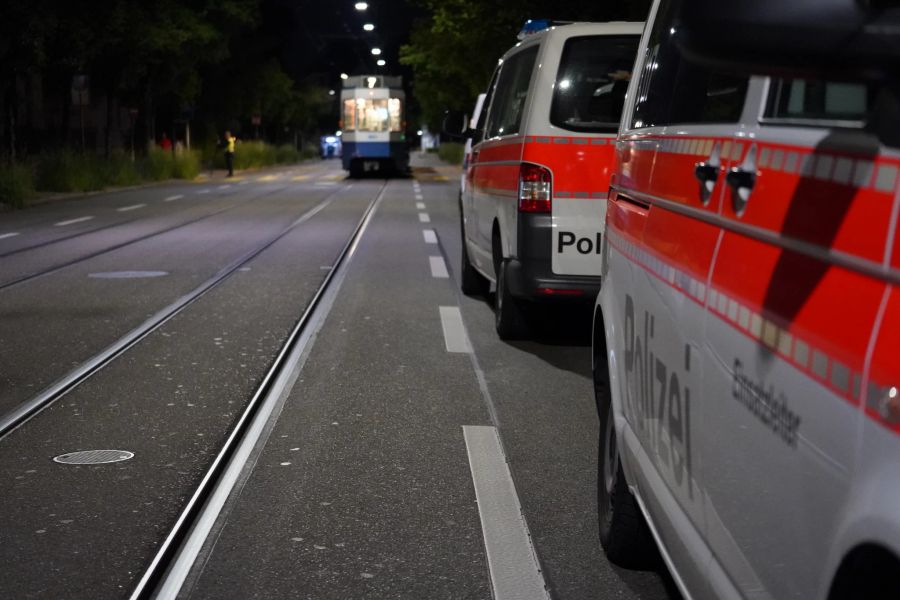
<point>372,122</point>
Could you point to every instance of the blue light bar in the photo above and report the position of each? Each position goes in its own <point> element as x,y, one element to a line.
<point>533,26</point>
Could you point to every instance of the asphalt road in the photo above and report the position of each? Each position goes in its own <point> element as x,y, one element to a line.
<point>371,482</point>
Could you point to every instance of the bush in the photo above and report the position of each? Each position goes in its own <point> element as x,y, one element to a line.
<point>451,152</point>
<point>66,171</point>
<point>157,165</point>
<point>252,155</point>
<point>16,185</point>
<point>286,154</point>
<point>186,165</point>
<point>120,171</point>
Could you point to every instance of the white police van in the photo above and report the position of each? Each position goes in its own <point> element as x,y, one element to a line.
<point>536,183</point>
<point>747,333</point>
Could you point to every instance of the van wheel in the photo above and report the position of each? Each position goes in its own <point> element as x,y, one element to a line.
<point>471,282</point>
<point>509,316</point>
<point>624,534</point>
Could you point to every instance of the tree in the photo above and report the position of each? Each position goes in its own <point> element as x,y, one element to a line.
<point>453,53</point>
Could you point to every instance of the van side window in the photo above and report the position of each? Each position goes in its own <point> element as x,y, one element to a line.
<point>673,90</point>
<point>798,101</point>
<point>591,82</point>
<point>485,107</point>
<point>509,97</point>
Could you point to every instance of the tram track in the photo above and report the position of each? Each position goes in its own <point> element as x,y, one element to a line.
<point>63,265</point>
<point>47,397</point>
<point>177,555</point>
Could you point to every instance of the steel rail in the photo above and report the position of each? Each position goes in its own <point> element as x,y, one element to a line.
<point>159,573</point>
<point>62,386</point>
<point>58,267</point>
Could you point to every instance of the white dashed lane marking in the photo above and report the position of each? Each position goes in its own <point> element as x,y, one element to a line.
<point>132,207</point>
<point>73,221</point>
<point>420,205</point>
<point>430,236</point>
<point>173,198</point>
<point>424,218</point>
<point>225,187</point>
<point>455,338</point>
<point>507,543</point>
<point>438,267</point>
<point>419,197</point>
<point>3,236</point>
<point>203,191</point>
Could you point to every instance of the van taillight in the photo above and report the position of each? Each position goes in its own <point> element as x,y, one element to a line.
<point>534,189</point>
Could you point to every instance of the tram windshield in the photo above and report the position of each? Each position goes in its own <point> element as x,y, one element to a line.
<point>372,114</point>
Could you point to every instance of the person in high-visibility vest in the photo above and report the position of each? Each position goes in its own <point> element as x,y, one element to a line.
<point>229,152</point>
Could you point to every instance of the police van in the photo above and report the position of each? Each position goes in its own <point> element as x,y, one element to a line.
<point>536,182</point>
<point>747,333</point>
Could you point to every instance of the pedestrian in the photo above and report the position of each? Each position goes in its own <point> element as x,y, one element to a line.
<point>165,143</point>
<point>229,152</point>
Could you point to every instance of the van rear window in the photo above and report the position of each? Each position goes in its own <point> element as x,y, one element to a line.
<point>591,82</point>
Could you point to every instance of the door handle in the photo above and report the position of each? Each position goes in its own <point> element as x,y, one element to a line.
<point>741,180</point>
<point>738,178</point>
<point>705,172</point>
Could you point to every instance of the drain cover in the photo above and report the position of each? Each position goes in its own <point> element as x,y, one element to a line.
<point>127,274</point>
<point>93,457</point>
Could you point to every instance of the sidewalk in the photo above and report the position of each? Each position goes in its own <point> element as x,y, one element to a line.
<point>426,163</point>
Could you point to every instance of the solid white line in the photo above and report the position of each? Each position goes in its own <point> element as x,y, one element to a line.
<point>515,573</point>
<point>430,237</point>
<point>423,217</point>
<point>455,338</point>
<point>3,236</point>
<point>438,267</point>
<point>176,197</point>
<point>132,207</point>
<point>72,221</point>
<point>420,205</point>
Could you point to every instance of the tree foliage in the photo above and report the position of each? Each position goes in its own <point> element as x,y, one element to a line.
<point>453,53</point>
<point>167,59</point>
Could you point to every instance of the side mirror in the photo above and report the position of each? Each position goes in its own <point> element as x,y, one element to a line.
<point>833,39</point>
<point>456,124</point>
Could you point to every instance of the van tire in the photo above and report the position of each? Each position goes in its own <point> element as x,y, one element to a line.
<point>471,282</point>
<point>509,316</point>
<point>624,533</point>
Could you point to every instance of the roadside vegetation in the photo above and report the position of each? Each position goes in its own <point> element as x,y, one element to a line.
<point>454,51</point>
<point>87,95</point>
<point>451,152</point>
<point>68,171</point>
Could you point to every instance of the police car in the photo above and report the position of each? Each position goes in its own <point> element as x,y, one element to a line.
<point>538,176</point>
<point>746,347</point>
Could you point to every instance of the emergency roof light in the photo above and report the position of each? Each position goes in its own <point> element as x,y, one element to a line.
<point>533,26</point>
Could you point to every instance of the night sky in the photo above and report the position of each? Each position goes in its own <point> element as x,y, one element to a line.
<point>322,38</point>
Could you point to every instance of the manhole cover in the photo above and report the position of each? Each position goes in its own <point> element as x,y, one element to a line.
<point>93,457</point>
<point>127,274</point>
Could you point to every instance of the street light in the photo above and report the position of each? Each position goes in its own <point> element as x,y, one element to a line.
<point>381,62</point>
<point>376,51</point>
<point>344,76</point>
<point>368,27</point>
<point>331,92</point>
<point>361,5</point>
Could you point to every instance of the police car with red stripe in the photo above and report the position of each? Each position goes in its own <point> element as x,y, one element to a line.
<point>747,333</point>
<point>532,209</point>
